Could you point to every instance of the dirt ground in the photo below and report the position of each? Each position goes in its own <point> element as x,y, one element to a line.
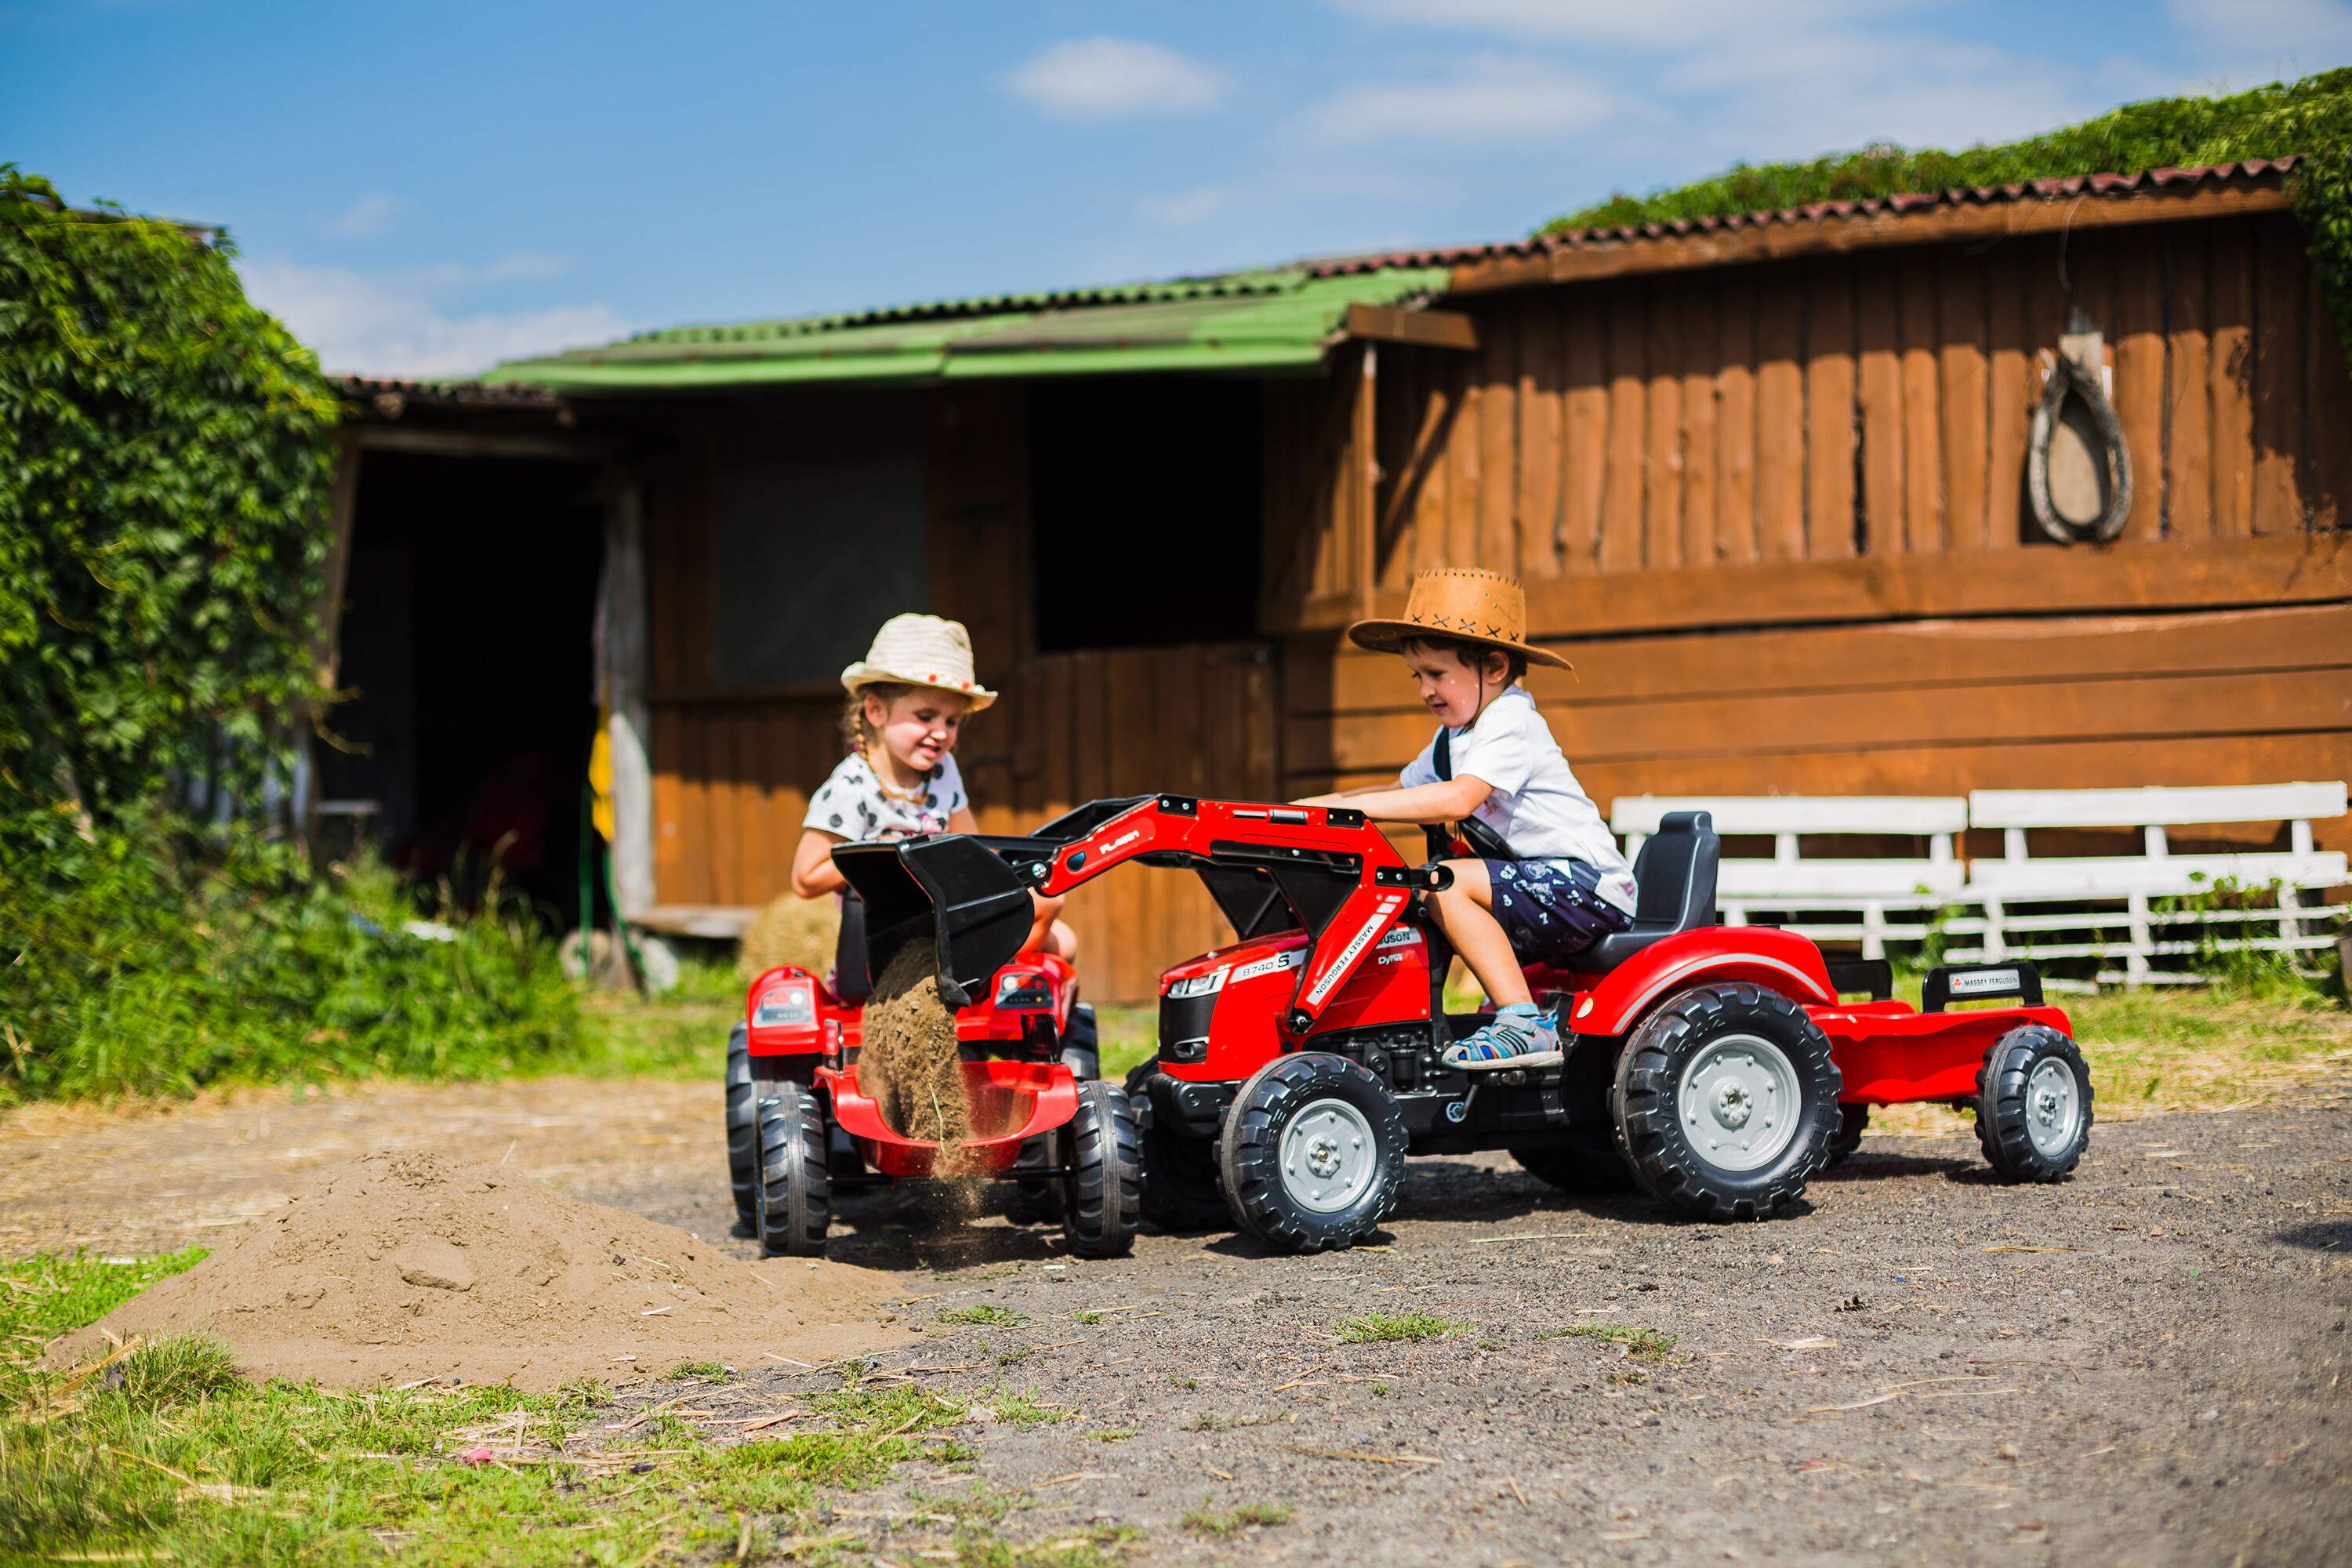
<point>2144,1367</point>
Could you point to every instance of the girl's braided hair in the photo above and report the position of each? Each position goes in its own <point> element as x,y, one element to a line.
<point>856,735</point>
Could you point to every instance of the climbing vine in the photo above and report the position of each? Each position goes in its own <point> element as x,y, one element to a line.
<point>166,462</point>
<point>2309,119</point>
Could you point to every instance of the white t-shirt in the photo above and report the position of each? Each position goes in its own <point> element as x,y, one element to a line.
<point>854,804</point>
<point>1536,804</point>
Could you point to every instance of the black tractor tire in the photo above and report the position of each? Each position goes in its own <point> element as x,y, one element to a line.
<point>1102,1197</point>
<point>1588,1168</point>
<point>1344,1138</point>
<point>1852,1122</point>
<point>1035,1199</point>
<point>794,1206</point>
<point>743,1112</point>
<point>1180,1173</point>
<point>1695,1072</point>
<point>2034,1105</point>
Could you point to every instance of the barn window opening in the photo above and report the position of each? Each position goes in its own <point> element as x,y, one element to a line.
<point>1144,500</point>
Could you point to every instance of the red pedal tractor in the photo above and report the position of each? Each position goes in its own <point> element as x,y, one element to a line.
<point>1714,1067</point>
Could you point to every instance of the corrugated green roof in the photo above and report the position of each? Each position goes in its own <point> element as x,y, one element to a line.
<point>1277,320</point>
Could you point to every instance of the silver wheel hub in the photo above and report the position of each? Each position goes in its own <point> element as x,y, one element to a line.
<point>1329,1156</point>
<point>2053,1106</point>
<point>1739,1102</point>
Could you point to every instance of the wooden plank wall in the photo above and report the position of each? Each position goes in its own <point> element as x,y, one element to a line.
<point>1871,404</point>
<point>1776,514</point>
<point>733,770</point>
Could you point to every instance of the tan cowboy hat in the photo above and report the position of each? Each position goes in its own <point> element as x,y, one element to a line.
<point>921,650</point>
<point>1464,603</point>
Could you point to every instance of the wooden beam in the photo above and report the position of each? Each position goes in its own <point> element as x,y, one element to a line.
<point>1832,232</point>
<point>478,444</point>
<point>1430,329</point>
<point>2173,574</point>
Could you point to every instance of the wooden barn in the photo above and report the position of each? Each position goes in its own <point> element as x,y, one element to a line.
<point>1765,480</point>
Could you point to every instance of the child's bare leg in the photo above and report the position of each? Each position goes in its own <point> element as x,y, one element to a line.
<point>1464,913</point>
<point>1520,1036</point>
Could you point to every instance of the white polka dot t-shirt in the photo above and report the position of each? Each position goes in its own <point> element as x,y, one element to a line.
<point>853,803</point>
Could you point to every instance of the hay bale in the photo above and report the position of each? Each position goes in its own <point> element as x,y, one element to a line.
<point>792,930</point>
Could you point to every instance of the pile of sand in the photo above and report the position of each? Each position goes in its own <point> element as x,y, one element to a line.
<point>907,1062</point>
<point>407,1266</point>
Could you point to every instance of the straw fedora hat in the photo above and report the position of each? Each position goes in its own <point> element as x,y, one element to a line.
<point>921,650</point>
<point>1465,605</point>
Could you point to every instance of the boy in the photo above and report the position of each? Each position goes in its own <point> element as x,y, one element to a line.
<point>1549,881</point>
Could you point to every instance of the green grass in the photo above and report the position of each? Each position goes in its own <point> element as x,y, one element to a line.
<point>1116,1433</point>
<point>164,1453</point>
<point>991,1317</point>
<point>1211,1520</point>
<point>1650,1344</point>
<point>707,1370</point>
<point>1374,1328</point>
<point>1130,1034</point>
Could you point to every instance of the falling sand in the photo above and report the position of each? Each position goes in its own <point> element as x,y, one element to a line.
<point>908,1062</point>
<point>406,1266</point>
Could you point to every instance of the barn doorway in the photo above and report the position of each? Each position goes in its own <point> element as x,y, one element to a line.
<point>467,652</point>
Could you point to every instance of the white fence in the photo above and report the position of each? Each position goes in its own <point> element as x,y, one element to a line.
<point>2097,907</point>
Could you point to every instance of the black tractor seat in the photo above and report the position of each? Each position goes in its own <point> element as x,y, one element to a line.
<point>1676,873</point>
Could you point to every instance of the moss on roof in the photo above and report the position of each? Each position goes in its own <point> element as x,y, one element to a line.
<point>2310,119</point>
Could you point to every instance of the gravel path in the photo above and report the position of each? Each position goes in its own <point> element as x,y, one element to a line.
<point>2144,1366</point>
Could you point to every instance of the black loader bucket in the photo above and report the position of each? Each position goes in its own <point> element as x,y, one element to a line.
<point>950,890</point>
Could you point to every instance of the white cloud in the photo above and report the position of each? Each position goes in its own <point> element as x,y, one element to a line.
<point>1112,78</point>
<point>370,215</point>
<point>405,324</point>
<point>1483,100</point>
<point>1184,207</point>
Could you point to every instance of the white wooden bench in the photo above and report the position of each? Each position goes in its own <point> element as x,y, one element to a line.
<point>2017,878</point>
<point>1789,885</point>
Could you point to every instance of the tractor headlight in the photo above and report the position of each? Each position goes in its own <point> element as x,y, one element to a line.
<point>1198,985</point>
<point>1024,991</point>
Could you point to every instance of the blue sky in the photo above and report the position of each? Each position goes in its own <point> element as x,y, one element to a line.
<point>426,188</point>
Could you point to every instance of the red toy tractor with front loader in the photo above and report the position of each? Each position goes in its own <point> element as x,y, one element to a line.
<point>798,1126</point>
<point>1716,1067</point>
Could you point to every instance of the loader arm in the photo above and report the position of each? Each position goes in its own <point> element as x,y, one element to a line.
<point>968,894</point>
<point>1340,874</point>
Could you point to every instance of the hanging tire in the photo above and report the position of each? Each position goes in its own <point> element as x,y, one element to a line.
<point>1852,1120</point>
<point>1313,1153</point>
<point>1589,1168</point>
<point>1726,1101</point>
<point>743,1113</point>
<point>2034,1105</point>
<point>793,1206</point>
<point>1102,1196</point>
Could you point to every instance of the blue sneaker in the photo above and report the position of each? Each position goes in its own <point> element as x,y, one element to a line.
<point>1520,1037</point>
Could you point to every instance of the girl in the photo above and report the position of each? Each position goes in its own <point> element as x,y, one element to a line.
<point>908,699</point>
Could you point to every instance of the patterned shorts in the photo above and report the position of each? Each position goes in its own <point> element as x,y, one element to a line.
<point>1551,908</point>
